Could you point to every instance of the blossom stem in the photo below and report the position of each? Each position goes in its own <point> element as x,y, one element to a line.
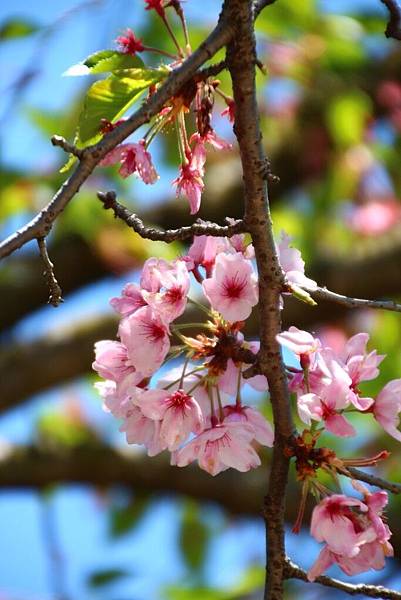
<point>200,306</point>
<point>186,361</point>
<point>167,387</point>
<point>238,395</point>
<point>189,326</point>
<point>159,51</point>
<point>193,388</point>
<point>221,411</point>
<point>172,35</point>
<point>302,505</point>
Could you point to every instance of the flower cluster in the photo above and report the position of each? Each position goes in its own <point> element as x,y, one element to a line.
<point>195,411</point>
<point>195,98</point>
<point>354,533</point>
<point>327,383</point>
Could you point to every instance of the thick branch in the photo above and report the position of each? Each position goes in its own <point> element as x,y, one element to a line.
<point>393,29</point>
<point>170,235</point>
<point>36,467</point>
<point>42,223</point>
<point>31,368</point>
<point>292,571</point>
<point>241,60</point>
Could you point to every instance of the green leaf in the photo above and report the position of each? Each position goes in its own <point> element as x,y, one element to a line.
<point>109,99</point>
<point>194,537</point>
<point>17,28</point>
<point>124,519</point>
<point>105,577</point>
<point>104,61</point>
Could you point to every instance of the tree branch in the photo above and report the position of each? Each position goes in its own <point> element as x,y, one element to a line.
<point>292,571</point>
<point>393,29</point>
<point>55,293</point>
<point>170,235</point>
<point>241,60</point>
<point>394,488</point>
<point>325,294</point>
<point>40,225</point>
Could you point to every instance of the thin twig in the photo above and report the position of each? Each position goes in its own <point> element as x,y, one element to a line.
<point>55,293</point>
<point>323,293</point>
<point>292,571</point>
<point>211,71</point>
<point>58,140</point>
<point>393,29</point>
<point>394,488</point>
<point>169,235</point>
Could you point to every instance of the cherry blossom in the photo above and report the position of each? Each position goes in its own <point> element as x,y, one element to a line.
<point>199,149</point>
<point>139,429</point>
<point>130,300</point>
<point>354,532</point>
<point>112,360</point>
<point>232,290</point>
<point>134,158</point>
<point>263,431</point>
<point>171,299</point>
<point>157,5</point>
<point>190,184</point>
<point>146,338</point>
<point>219,448</point>
<point>178,413</point>
<point>292,264</point>
<point>387,407</point>
<point>129,44</point>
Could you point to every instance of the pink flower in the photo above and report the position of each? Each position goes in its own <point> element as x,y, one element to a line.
<point>301,343</point>
<point>331,396</point>
<point>371,556</point>
<point>219,448</point>
<point>356,536</point>
<point>292,264</point>
<point>205,248</point>
<point>141,430</point>
<point>131,300</point>
<point>118,397</point>
<point>171,298</point>
<point>229,111</point>
<point>178,413</point>
<point>146,338</point>
<point>111,360</point>
<point>360,366</point>
<point>172,380</point>
<point>263,431</point>
<point>228,381</point>
<point>190,184</point>
<point>232,290</point>
<point>157,5</point>
<point>129,44</point>
<point>199,150</point>
<point>341,528</point>
<point>387,407</point>
<point>134,158</point>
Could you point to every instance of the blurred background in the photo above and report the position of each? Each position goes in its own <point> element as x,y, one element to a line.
<point>83,515</point>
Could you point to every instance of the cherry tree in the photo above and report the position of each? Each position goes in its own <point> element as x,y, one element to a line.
<point>197,412</point>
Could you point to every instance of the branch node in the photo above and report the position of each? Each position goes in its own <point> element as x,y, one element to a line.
<point>55,292</point>
<point>58,140</point>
